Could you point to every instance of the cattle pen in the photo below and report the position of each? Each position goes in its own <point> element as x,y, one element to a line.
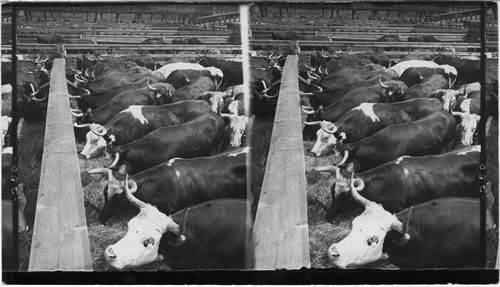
<point>60,229</point>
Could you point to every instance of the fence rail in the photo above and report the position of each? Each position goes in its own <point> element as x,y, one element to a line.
<point>280,228</point>
<point>60,237</point>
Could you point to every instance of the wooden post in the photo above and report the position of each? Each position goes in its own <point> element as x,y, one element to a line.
<point>280,229</point>
<point>60,237</point>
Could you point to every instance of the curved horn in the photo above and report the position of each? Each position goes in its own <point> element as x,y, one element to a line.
<point>130,196</point>
<point>270,97</point>
<point>344,159</point>
<point>37,60</point>
<point>330,131</point>
<point>87,92</point>
<point>82,125</point>
<point>151,88</point>
<point>319,88</point>
<point>382,84</point>
<point>99,130</point>
<point>77,114</point>
<point>312,123</point>
<point>74,70</point>
<point>308,112</point>
<point>272,85</point>
<point>264,84</point>
<point>74,97</point>
<point>115,161</point>
<point>87,73</point>
<point>99,170</point>
<point>93,76</point>
<point>40,100</point>
<point>460,114</point>
<point>311,76</point>
<point>33,89</point>
<point>326,168</point>
<point>354,192</point>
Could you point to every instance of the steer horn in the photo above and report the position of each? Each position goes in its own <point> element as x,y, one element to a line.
<point>354,192</point>
<point>39,100</point>
<point>319,88</point>
<point>331,130</point>
<point>82,125</point>
<point>151,88</point>
<point>128,193</point>
<point>326,168</point>
<point>382,84</point>
<point>102,170</point>
<point>344,159</point>
<point>307,111</point>
<point>312,123</point>
<point>77,114</point>
<point>99,130</point>
<point>270,87</point>
<point>115,161</point>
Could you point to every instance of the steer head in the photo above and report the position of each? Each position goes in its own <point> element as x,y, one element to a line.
<point>163,92</point>
<point>467,127</point>
<point>98,139</point>
<point>365,242</point>
<point>326,137</point>
<point>339,190</point>
<point>237,124</point>
<point>140,245</point>
<point>394,89</point>
<point>447,97</point>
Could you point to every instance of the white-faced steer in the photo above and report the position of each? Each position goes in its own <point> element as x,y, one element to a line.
<point>180,183</point>
<point>211,235</point>
<point>409,180</point>
<point>442,233</point>
<point>368,118</point>
<point>136,121</point>
<point>427,136</point>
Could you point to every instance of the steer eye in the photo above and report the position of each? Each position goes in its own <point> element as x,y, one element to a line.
<point>372,240</point>
<point>148,241</point>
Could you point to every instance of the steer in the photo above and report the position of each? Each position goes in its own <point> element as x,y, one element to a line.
<point>211,235</point>
<point>466,129</point>
<point>167,69</point>
<point>233,71</point>
<point>426,88</point>
<point>237,123</point>
<point>181,78</point>
<point>381,93</point>
<point>409,180</point>
<point>369,118</point>
<point>180,183</point>
<point>415,75</point>
<point>442,233</point>
<point>194,89</point>
<point>155,94</point>
<point>198,137</point>
<point>401,67</point>
<point>136,121</point>
<point>427,136</point>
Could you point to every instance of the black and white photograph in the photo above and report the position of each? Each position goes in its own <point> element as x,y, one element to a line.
<point>276,142</point>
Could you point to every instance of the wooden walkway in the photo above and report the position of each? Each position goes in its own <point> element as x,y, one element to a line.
<point>280,228</point>
<point>60,238</point>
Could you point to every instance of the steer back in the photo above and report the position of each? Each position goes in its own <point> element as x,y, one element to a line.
<point>156,94</point>
<point>425,89</point>
<point>194,90</point>
<point>411,180</point>
<point>180,183</point>
<point>427,136</point>
<point>443,233</point>
<point>196,138</point>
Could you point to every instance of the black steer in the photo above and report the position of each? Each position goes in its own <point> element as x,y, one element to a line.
<point>198,137</point>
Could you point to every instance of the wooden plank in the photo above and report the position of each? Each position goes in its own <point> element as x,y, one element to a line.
<point>60,236</point>
<point>280,228</point>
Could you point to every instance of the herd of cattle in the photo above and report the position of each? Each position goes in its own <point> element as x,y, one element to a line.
<point>404,147</point>
<point>175,132</point>
<point>403,137</point>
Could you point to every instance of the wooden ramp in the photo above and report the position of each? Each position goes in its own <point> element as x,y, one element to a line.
<point>280,228</point>
<point>60,237</point>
